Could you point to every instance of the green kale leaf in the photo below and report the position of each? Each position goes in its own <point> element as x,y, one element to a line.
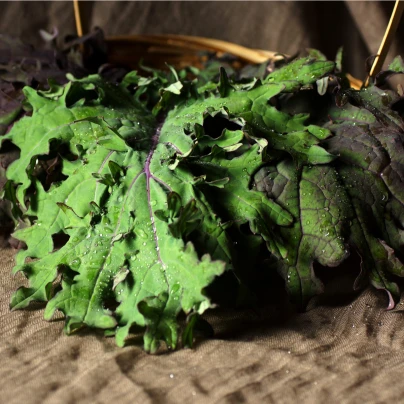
<point>134,197</point>
<point>127,200</point>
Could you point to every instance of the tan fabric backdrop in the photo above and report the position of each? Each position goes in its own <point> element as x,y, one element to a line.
<point>287,27</point>
<point>352,353</point>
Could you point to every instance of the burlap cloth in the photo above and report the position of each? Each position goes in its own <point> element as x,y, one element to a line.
<point>347,354</point>
<point>352,353</point>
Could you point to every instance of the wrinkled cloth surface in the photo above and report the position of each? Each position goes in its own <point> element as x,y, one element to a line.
<point>351,353</point>
<point>347,353</point>
<point>287,27</point>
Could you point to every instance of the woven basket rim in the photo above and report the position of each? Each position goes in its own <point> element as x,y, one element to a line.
<point>199,43</point>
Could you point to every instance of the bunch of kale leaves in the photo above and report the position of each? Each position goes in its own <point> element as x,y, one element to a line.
<point>132,197</point>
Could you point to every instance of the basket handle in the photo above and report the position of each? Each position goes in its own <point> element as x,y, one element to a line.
<point>77,17</point>
<point>387,40</point>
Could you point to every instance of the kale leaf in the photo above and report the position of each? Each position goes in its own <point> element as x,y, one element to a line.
<point>136,194</point>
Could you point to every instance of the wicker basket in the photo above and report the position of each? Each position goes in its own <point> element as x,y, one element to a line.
<point>181,50</point>
<point>177,50</point>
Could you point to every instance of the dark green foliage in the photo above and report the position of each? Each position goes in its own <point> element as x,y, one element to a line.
<point>159,178</point>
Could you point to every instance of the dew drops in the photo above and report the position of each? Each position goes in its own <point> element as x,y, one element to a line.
<point>175,288</point>
<point>75,264</point>
<point>141,233</point>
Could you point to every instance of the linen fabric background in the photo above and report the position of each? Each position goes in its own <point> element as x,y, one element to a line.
<point>348,350</point>
<point>287,27</point>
